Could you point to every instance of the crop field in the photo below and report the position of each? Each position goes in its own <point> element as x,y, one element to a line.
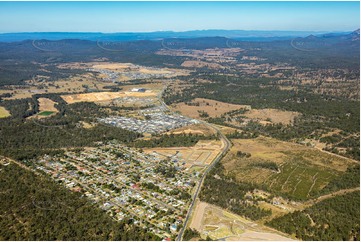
<point>218,224</point>
<point>4,113</point>
<point>286,168</point>
<point>203,153</point>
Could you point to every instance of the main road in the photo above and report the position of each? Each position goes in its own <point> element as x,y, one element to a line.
<point>226,147</point>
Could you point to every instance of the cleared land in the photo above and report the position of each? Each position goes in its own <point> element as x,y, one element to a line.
<point>46,104</point>
<point>300,171</point>
<point>104,96</point>
<point>200,155</point>
<point>4,113</point>
<point>211,107</point>
<point>197,129</point>
<point>274,115</point>
<point>201,64</point>
<point>76,84</point>
<point>218,224</point>
<point>226,130</point>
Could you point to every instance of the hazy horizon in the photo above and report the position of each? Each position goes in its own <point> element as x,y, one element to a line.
<point>125,17</point>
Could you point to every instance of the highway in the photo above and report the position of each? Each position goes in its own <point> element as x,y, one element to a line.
<point>226,147</point>
<point>215,161</point>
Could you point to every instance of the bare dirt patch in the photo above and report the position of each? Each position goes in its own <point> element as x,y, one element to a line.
<point>202,154</point>
<point>217,223</point>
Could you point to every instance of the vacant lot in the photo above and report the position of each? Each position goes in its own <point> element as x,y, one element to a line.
<point>4,113</point>
<point>197,129</point>
<point>104,96</point>
<point>218,224</point>
<point>226,130</point>
<point>272,115</point>
<point>211,107</point>
<point>202,154</point>
<point>286,168</point>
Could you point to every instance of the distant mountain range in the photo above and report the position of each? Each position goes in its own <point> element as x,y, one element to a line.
<point>245,35</point>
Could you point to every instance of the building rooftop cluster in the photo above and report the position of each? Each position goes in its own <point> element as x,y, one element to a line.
<point>156,121</point>
<point>112,76</point>
<point>126,183</point>
<point>132,73</point>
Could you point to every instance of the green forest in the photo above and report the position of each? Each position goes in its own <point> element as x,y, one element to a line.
<point>26,138</point>
<point>220,190</point>
<point>337,218</point>
<point>319,113</point>
<point>36,208</point>
<point>171,140</point>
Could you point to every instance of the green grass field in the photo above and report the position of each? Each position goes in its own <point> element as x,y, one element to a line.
<point>45,113</point>
<point>298,179</point>
<point>302,171</point>
<point>4,113</point>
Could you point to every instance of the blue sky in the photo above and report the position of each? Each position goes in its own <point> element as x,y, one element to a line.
<point>177,16</point>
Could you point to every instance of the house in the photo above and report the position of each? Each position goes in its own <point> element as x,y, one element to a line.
<point>138,89</point>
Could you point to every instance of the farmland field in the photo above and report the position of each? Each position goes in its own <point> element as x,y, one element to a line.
<point>287,169</point>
